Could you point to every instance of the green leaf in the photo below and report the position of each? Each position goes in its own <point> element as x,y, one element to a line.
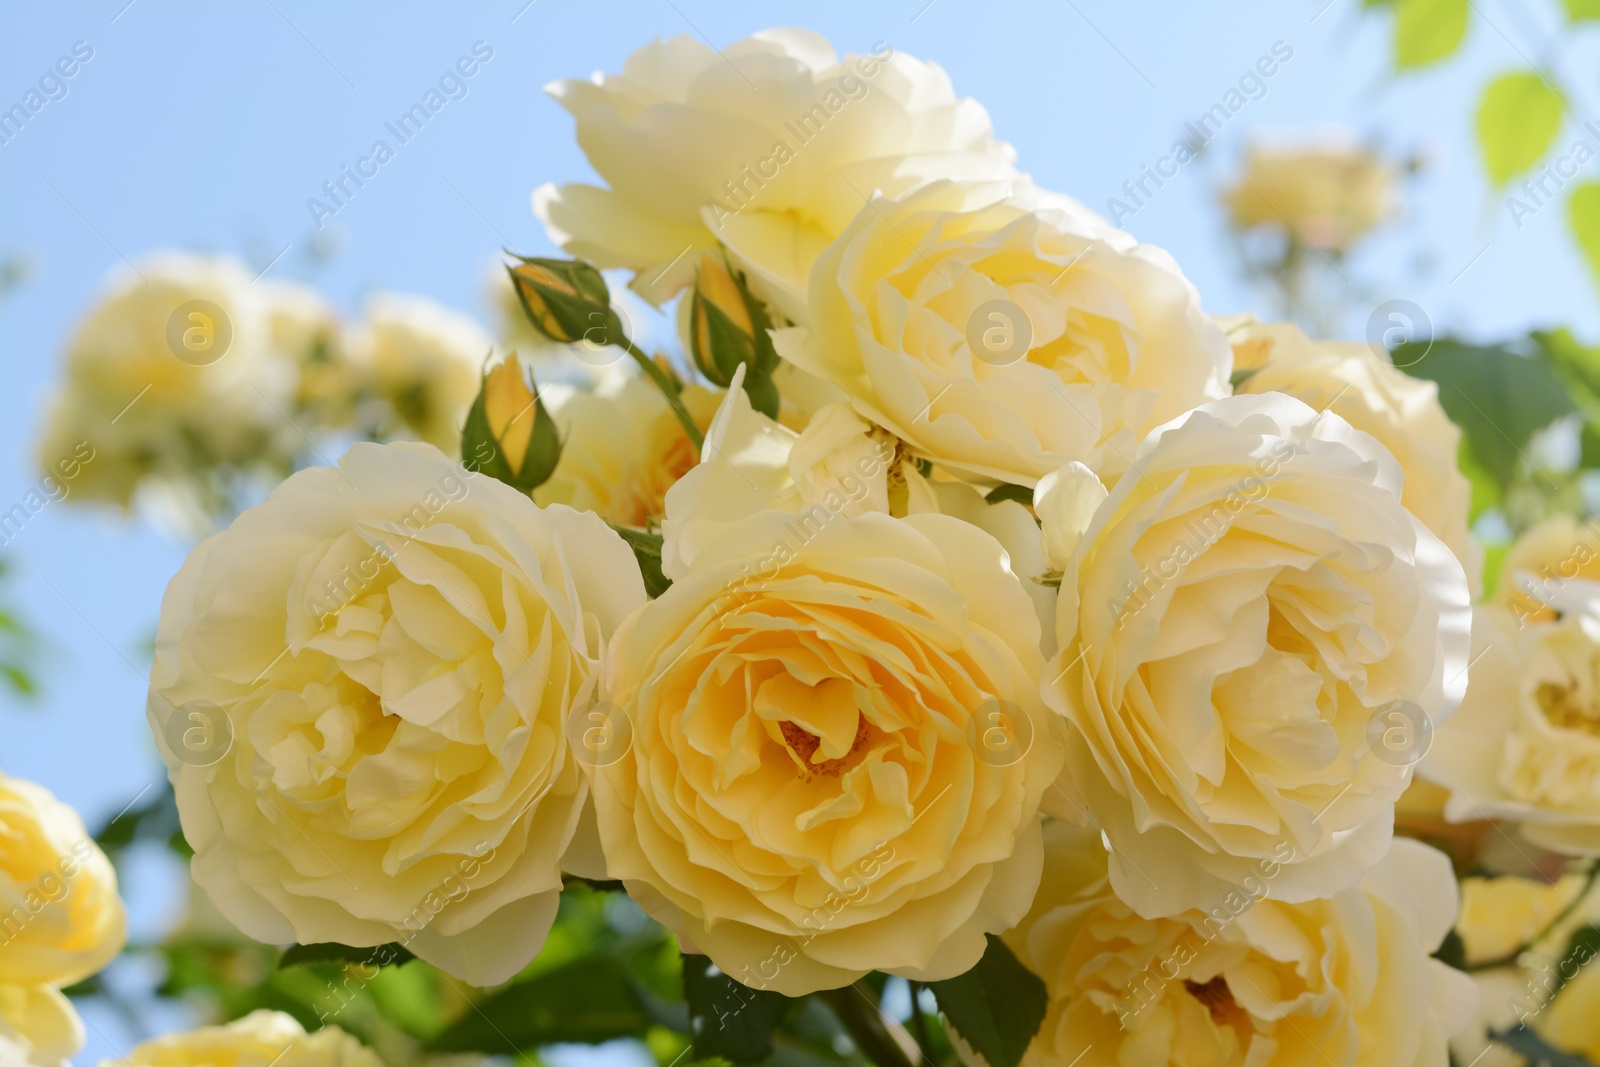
<point>647,550</point>
<point>1519,116</point>
<point>1452,951</point>
<point>1540,1054</point>
<point>1497,397</point>
<point>1020,493</point>
<point>996,1007</point>
<point>727,1018</point>
<point>1583,216</point>
<point>1426,31</point>
<point>1580,10</point>
<point>590,1000</point>
<point>333,952</point>
<point>1582,947</point>
<point>1494,558</point>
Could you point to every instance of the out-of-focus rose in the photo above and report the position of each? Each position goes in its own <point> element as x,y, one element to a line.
<point>1325,195</point>
<point>769,147</point>
<point>1552,563</point>
<point>1006,338</point>
<point>1340,982</point>
<point>179,368</point>
<point>1402,412</point>
<point>38,1027</point>
<point>360,689</point>
<point>257,1040</point>
<point>424,360</point>
<point>622,447</point>
<point>837,749</point>
<point>60,917</point>
<point>1572,1020</point>
<point>1525,746</point>
<point>1244,607</point>
<point>1500,915</point>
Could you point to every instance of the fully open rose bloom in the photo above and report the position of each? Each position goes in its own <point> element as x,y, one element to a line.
<point>769,147</point>
<point>1525,746</point>
<point>260,1039</point>
<point>60,922</point>
<point>1240,610</point>
<point>1372,395</point>
<point>1345,981</point>
<point>1005,338</point>
<point>837,749</point>
<point>393,646</point>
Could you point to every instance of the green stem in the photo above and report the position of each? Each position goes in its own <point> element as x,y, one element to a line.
<point>669,389</point>
<point>919,1025</point>
<point>865,1028</point>
<point>1566,912</point>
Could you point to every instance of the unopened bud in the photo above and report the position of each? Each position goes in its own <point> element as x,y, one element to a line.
<point>728,328</point>
<point>566,300</point>
<point>508,434</point>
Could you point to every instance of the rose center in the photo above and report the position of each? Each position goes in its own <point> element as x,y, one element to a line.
<point>1565,708</point>
<point>1215,995</point>
<point>803,743</point>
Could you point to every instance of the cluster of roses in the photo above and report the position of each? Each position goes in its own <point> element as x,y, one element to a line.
<point>1079,617</point>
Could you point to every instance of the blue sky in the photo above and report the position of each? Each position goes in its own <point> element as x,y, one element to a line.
<point>208,126</point>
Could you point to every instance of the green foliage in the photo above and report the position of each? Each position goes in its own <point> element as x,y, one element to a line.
<point>331,951</point>
<point>996,1007</point>
<point>1583,216</point>
<point>1528,1043</point>
<point>1519,116</point>
<point>647,550</point>
<point>728,1018</point>
<point>1581,10</point>
<point>589,1000</point>
<point>1020,493</point>
<point>1427,31</point>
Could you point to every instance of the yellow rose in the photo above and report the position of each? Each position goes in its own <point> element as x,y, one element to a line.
<point>837,749</point>
<point>1500,915</point>
<point>622,448</point>
<point>1402,412</point>
<point>1552,563</point>
<point>360,689</point>
<point>1325,195</point>
<point>769,147</point>
<point>179,368</point>
<point>60,917</point>
<point>1525,746</point>
<point>1249,980</point>
<point>1571,1022</point>
<point>424,360</point>
<point>261,1039</point>
<point>38,1027</point>
<point>1006,338</point>
<point>1243,615</point>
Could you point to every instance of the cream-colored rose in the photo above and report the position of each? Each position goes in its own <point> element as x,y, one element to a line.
<point>38,1027</point>
<point>837,749</point>
<point>1402,412</point>
<point>60,917</point>
<point>180,368</point>
<point>1552,563</point>
<point>261,1039</point>
<point>1248,982</point>
<point>1004,339</point>
<point>424,360</point>
<point>1525,746</point>
<point>622,447</point>
<point>394,646</point>
<point>1500,915</point>
<point>769,148</point>
<point>1325,195</point>
<point>1244,605</point>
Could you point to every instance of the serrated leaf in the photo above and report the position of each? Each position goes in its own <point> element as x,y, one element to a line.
<point>1497,397</point>
<point>333,952</point>
<point>589,1000</point>
<point>728,1018</point>
<point>1528,1043</point>
<point>647,550</point>
<point>996,1007</point>
<point>1426,31</point>
<point>1583,217</point>
<point>1519,116</point>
